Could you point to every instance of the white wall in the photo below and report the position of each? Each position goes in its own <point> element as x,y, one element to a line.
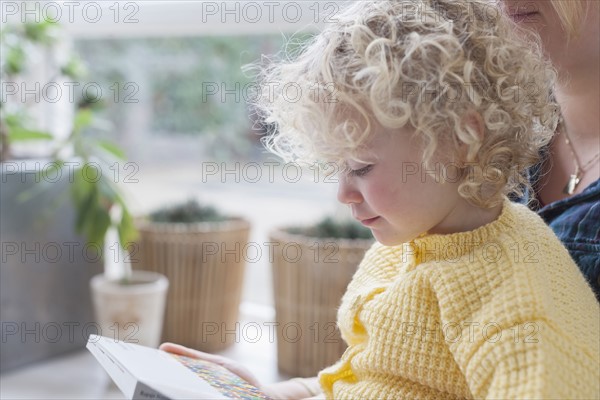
<point>106,18</point>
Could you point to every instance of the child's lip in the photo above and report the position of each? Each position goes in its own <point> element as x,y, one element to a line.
<point>368,221</point>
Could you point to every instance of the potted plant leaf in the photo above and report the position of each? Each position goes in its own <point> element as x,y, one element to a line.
<point>58,197</point>
<point>310,275</point>
<point>45,271</point>
<point>129,305</point>
<point>198,249</point>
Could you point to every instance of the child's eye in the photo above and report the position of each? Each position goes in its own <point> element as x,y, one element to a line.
<point>360,172</point>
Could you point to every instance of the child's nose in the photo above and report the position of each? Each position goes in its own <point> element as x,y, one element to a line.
<point>347,193</point>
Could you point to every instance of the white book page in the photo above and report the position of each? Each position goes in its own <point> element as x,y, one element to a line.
<point>155,368</point>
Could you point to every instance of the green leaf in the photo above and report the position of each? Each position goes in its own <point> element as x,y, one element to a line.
<point>40,32</point>
<point>83,118</point>
<point>108,190</point>
<point>15,60</point>
<point>15,120</point>
<point>74,68</point>
<point>99,225</point>
<point>188,212</point>
<point>22,134</point>
<point>85,196</point>
<point>18,131</point>
<point>81,187</point>
<point>126,229</point>
<point>330,228</point>
<point>112,149</point>
<point>82,222</point>
<point>93,200</point>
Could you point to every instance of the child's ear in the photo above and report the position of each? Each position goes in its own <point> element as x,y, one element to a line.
<point>470,135</point>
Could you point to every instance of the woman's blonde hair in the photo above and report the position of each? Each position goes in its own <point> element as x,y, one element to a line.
<point>571,13</point>
<point>424,66</point>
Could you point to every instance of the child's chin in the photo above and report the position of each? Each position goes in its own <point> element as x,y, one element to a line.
<point>387,240</point>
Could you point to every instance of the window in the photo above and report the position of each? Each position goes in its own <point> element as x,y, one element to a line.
<point>174,97</point>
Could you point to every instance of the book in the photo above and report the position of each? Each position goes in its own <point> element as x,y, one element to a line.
<point>145,373</point>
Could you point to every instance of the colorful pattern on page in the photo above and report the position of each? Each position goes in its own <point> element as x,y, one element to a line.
<point>222,379</point>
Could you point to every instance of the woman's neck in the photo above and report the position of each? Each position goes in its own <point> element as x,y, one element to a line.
<point>579,98</point>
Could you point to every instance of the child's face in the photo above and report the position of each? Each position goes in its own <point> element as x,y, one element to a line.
<point>394,196</point>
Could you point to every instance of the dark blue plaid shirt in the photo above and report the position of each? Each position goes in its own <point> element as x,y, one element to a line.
<point>576,222</point>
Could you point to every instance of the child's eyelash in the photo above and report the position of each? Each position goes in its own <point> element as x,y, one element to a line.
<point>360,172</point>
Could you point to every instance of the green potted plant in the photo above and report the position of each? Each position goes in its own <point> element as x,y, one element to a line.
<point>58,197</point>
<point>311,270</point>
<point>129,305</point>
<point>83,159</point>
<point>198,249</point>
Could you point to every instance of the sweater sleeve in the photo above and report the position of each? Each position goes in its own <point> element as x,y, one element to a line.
<point>519,327</point>
<point>526,361</point>
<point>513,351</point>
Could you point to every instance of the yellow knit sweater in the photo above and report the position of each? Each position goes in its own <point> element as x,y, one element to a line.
<point>501,312</point>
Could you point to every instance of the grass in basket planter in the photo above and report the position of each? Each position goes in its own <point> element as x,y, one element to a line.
<point>329,228</point>
<point>189,212</point>
<point>185,242</point>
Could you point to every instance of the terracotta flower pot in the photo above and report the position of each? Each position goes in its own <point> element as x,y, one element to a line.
<point>205,269</point>
<point>310,275</point>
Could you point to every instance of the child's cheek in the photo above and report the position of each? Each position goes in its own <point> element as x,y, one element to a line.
<point>387,194</point>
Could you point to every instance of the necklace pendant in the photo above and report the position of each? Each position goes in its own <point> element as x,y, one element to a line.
<point>572,184</point>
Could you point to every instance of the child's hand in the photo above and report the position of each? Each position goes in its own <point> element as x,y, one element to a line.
<point>294,389</point>
<point>281,390</point>
<point>231,365</point>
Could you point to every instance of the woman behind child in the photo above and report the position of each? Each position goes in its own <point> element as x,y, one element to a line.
<point>567,183</point>
<point>434,111</point>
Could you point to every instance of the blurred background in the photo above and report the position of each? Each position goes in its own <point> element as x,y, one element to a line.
<point>153,94</point>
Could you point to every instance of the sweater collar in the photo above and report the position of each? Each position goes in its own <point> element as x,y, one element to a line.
<point>450,247</point>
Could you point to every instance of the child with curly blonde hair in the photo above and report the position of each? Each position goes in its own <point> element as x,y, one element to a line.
<point>434,110</point>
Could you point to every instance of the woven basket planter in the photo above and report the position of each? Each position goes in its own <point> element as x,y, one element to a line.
<point>310,275</point>
<point>205,268</point>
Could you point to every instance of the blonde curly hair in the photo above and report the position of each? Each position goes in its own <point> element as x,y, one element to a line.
<point>423,65</point>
